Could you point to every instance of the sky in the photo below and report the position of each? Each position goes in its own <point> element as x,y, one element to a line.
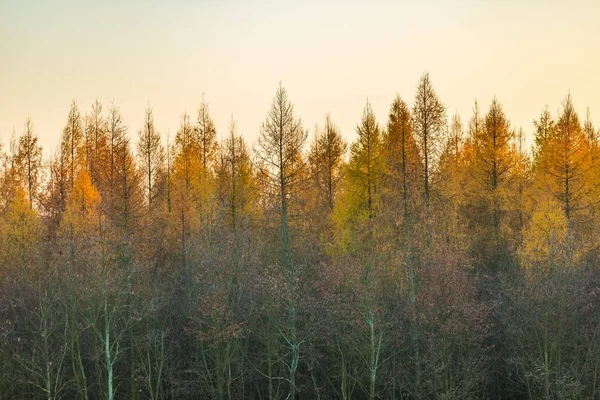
<point>331,56</point>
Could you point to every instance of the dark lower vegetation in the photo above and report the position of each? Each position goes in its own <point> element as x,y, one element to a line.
<point>218,327</point>
<point>427,266</point>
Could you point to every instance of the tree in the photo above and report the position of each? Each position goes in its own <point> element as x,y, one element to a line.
<point>494,161</point>
<point>116,142</point>
<point>55,201</point>
<point>236,178</point>
<point>589,130</point>
<point>429,121</point>
<point>366,166</point>
<point>20,231</point>
<point>77,232</point>
<point>207,139</point>
<point>207,152</point>
<point>184,180</point>
<point>454,181</point>
<point>326,160</point>
<point>544,127</point>
<point>151,157</point>
<point>563,163</point>
<point>214,271</point>
<point>545,240</point>
<point>280,145</point>
<point>72,146</point>
<point>29,158</point>
<point>67,163</point>
<point>96,141</point>
<point>402,157</point>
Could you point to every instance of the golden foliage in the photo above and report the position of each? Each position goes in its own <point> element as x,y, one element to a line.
<point>81,214</point>
<point>546,243</point>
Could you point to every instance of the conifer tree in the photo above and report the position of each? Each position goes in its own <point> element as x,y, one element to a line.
<point>280,145</point>
<point>429,121</point>
<point>29,158</point>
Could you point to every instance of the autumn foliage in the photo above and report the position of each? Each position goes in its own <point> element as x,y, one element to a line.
<point>427,258</point>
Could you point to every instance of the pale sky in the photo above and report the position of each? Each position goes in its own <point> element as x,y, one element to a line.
<point>330,55</point>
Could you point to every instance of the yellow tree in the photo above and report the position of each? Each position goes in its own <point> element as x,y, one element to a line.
<point>185,174</point>
<point>590,131</point>
<point>236,179</point>
<point>366,165</point>
<point>545,245</point>
<point>544,127</point>
<point>493,172</point>
<point>453,177</point>
<point>207,140</point>
<point>563,164</point>
<point>20,234</point>
<point>207,152</point>
<point>64,167</point>
<point>360,208</point>
<point>325,160</point>
<point>78,232</point>
<point>403,162</point>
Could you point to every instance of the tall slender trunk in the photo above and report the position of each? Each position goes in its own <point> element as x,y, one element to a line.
<point>288,272</point>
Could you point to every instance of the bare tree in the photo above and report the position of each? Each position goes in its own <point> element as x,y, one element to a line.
<point>72,146</point>
<point>29,158</point>
<point>280,145</point>
<point>151,156</point>
<point>429,121</point>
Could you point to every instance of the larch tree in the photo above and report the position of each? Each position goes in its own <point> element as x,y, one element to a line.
<point>122,206</point>
<point>116,137</point>
<point>544,127</point>
<point>168,171</point>
<point>185,173</point>
<point>207,152</point>
<point>404,169</point>
<point>493,167</point>
<point>150,153</point>
<point>475,125</point>
<point>564,163</point>
<point>73,144</point>
<point>455,137</point>
<point>69,159</point>
<point>117,241</point>
<point>589,129</point>
<point>365,175</point>
<point>207,140</point>
<point>429,122</point>
<point>20,230</point>
<point>366,165</point>
<point>326,158</point>
<point>29,158</point>
<point>55,200</point>
<point>96,141</point>
<point>78,232</point>
<point>402,157</point>
<point>452,177</point>
<point>280,145</point>
<point>236,178</point>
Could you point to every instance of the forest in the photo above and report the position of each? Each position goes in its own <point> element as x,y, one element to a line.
<point>431,257</point>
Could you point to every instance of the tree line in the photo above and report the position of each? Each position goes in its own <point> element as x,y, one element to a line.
<point>428,258</point>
